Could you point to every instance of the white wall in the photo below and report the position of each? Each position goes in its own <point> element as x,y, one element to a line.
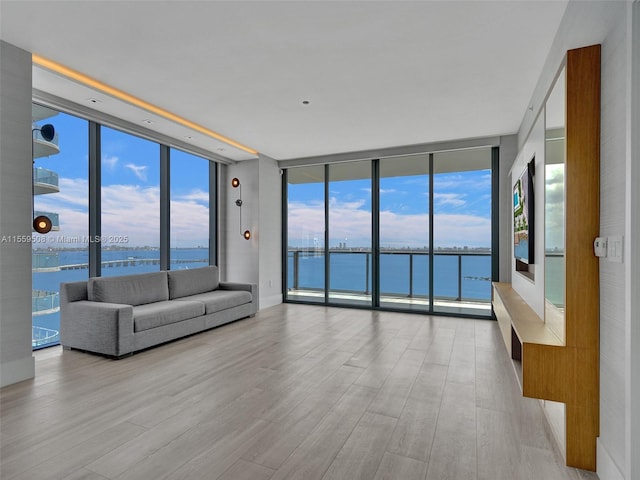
<point>632,247</point>
<point>587,23</point>
<point>270,232</point>
<point>508,152</point>
<point>257,260</point>
<point>16,359</point>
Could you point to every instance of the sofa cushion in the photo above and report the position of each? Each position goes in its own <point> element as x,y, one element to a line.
<point>220,299</point>
<point>183,283</point>
<point>130,289</point>
<point>157,314</point>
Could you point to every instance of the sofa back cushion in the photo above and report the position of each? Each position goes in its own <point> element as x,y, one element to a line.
<point>183,283</point>
<point>129,289</point>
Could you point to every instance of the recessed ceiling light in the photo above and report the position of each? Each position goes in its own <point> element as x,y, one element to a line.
<point>305,102</point>
<point>222,149</point>
<point>93,100</point>
<point>147,121</point>
<point>189,137</point>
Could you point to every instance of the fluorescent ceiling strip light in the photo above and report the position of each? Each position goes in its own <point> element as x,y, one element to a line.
<point>119,94</point>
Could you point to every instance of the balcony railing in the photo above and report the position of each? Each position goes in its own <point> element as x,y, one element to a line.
<point>459,275</point>
<point>45,261</point>
<point>45,181</point>
<point>42,337</point>
<point>44,302</point>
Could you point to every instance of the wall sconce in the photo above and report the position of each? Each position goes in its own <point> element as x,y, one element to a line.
<point>235,183</point>
<point>42,223</point>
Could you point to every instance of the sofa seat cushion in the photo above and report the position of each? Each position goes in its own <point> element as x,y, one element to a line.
<point>219,299</point>
<point>157,314</point>
<point>129,289</point>
<point>183,283</point>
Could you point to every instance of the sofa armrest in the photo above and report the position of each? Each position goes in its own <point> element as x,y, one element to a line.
<point>100,327</point>
<point>249,287</point>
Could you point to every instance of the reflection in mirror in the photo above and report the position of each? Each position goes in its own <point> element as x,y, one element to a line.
<point>554,207</point>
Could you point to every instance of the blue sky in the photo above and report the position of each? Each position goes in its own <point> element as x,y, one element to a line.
<point>130,198</point>
<point>130,187</point>
<point>462,211</point>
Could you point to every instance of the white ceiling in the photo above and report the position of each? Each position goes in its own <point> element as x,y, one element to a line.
<point>377,74</point>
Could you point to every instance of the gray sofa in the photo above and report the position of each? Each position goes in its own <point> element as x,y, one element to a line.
<point>117,316</point>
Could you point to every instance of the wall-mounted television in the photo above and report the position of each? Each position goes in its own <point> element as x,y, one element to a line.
<point>523,215</point>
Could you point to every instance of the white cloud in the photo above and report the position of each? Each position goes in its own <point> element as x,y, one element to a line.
<point>139,171</point>
<point>128,210</point>
<point>109,161</point>
<point>452,199</point>
<point>348,221</point>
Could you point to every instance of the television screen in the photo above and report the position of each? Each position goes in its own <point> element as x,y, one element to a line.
<point>523,216</point>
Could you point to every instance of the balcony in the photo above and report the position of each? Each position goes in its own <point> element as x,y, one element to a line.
<point>43,148</point>
<point>44,337</point>
<point>54,217</point>
<point>462,279</point>
<point>45,181</point>
<point>45,262</point>
<point>44,302</point>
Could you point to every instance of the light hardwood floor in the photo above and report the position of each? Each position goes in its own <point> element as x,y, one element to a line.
<point>298,392</point>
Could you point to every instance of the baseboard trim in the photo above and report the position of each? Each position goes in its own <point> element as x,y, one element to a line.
<point>266,302</point>
<point>17,371</point>
<point>607,468</point>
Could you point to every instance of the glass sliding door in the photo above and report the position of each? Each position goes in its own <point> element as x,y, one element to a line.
<point>404,232</point>
<point>130,168</point>
<point>462,232</point>
<point>350,262</point>
<point>189,211</point>
<point>305,234</point>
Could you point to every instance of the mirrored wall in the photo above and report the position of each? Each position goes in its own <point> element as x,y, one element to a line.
<point>554,208</point>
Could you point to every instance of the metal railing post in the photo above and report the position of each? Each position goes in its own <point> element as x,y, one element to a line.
<point>296,259</point>
<point>411,275</point>
<point>459,277</point>
<point>366,274</point>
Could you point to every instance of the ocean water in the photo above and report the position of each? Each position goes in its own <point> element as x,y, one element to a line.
<point>352,272</point>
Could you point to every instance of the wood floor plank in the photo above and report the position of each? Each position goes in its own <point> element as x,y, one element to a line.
<point>314,456</point>
<point>416,427</point>
<point>243,470</point>
<point>394,467</point>
<point>65,465</point>
<point>298,391</point>
<point>382,363</point>
<point>363,451</point>
<point>453,454</point>
<point>394,392</point>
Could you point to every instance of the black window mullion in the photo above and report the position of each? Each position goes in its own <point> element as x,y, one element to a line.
<point>431,223</point>
<point>327,269</point>
<point>165,208</point>
<point>375,233</point>
<point>213,213</point>
<point>95,211</point>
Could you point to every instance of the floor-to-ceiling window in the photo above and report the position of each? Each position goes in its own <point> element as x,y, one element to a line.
<point>130,203</point>
<point>120,218</point>
<point>404,232</point>
<point>60,188</point>
<point>349,226</point>
<point>189,210</point>
<point>462,231</point>
<point>306,233</point>
<point>408,232</point>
